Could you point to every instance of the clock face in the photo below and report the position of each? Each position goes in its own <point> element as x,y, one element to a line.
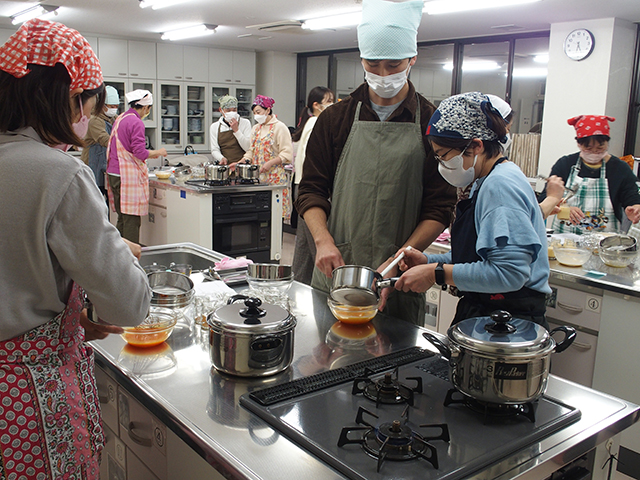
<point>579,44</point>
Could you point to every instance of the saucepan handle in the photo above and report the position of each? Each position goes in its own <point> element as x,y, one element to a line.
<point>387,282</point>
<point>436,342</point>
<point>569,336</point>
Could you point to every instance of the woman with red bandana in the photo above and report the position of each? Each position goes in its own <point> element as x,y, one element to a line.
<point>55,245</point>
<point>606,187</point>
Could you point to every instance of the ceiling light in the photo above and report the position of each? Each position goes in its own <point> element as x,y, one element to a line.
<point>190,32</point>
<point>541,58</point>
<point>435,7</point>
<point>475,66</point>
<point>333,21</point>
<point>529,72</point>
<point>158,4</point>
<point>41,11</point>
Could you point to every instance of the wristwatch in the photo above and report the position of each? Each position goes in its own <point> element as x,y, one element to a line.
<point>440,274</point>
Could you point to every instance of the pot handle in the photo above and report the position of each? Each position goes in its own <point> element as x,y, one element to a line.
<point>569,336</point>
<point>387,282</point>
<point>235,298</point>
<point>435,341</point>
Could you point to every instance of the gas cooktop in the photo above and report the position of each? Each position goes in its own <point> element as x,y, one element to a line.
<point>386,418</point>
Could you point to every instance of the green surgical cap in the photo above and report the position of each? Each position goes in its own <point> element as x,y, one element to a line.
<point>389,30</point>
<point>228,101</point>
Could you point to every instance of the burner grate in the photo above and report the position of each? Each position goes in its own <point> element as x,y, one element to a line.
<point>319,381</point>
<point>492,411</point>
<point>388,390</point>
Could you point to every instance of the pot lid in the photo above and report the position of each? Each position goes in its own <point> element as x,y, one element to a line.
<point>499,333</point>
<point>251,316</point>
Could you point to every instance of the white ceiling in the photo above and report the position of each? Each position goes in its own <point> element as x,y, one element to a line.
<point>124,18</point>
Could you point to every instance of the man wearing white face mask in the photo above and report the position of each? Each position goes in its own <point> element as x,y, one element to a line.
<point>97,138</point>
<point>365,198</point>
<point>498,258</point>
<point>230,135</point>
<point>606,188</point>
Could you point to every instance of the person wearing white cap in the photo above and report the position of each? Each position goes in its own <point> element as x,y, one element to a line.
<point>127,165</point>
<point>365,198</point>
<point>97,138</point>
<point>230,135</point>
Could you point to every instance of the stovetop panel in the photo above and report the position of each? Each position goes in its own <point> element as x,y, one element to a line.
<point>315,421</point>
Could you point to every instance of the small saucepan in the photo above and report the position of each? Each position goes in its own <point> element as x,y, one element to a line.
<point>248,171</point>
<point>216,172</point>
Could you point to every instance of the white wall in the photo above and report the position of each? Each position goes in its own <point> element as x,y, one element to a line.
<point>599,85</point>
<point>276,74</point>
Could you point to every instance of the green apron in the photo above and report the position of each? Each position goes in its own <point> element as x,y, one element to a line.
<point>376,201</point>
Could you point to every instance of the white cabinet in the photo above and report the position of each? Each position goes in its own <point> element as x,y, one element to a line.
<point>170,61</point>
<point>114,57</point>
<point>232,66</point>
<point>349,75</point>
<point>142,59</point>
<point>196,64</point>
<point>184,119</point>
<point>578,361</point>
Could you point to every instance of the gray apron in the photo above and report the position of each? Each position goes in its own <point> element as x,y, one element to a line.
<point>376,201</point>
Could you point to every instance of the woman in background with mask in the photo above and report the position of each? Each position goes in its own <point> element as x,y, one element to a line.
<point>94,153</point>
<point>606,187</point>
<point>498,258</point>
<point>304,254</point>
<point>271,148</point>
<point>230,135</point>
<point>127,165</point>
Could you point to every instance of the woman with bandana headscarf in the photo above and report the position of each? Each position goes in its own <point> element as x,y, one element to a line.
<point>498,258</point>
<point>56,244</point>
<point>271,148</point>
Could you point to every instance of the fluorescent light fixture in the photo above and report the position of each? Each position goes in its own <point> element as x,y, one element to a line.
<point>158,4</point>
<point>541,58</point>
<point>437,7</point>
<point>190,32</point>
<point>474,66</point>
<point>333,21</point>
<point>41,11</point>
<point>529,72</point>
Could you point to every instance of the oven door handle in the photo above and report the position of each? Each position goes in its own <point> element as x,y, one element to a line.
<point>236,219</point>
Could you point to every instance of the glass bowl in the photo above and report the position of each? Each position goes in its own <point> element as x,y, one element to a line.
<point>571,256</point>
<point>617,258</point>
<point>269,277</point>
<point>353,315</point>
<point>163,174</point>
<point>154,330</point>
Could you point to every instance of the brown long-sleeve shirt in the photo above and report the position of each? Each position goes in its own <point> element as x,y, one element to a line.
<point>96,133</point>
<point>328,140</point>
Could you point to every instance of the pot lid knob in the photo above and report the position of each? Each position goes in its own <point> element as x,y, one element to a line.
<point>500,325</point>
<point>252,313</point>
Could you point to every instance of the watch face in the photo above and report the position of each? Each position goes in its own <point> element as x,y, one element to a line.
<point>579,44</point>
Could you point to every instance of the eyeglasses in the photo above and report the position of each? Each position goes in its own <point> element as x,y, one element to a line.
<point>595,148</point>
<point>442,161</point>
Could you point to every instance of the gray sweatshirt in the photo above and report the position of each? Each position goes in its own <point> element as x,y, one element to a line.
<point>53,231</point>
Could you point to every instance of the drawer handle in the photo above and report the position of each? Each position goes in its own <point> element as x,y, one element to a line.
<point>583,347</point>
<point>570,308</point>
<point>103,397</point>
<point>145,442</point>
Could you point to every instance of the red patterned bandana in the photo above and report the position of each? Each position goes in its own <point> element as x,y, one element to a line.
<point>589,125</point>
<point>46,43</point>
<point>264,102</point>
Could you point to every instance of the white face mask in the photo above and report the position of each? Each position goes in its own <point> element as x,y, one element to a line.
<point>593,158</point>
<point>506,144</point>
<point>389,86</point>
<point>454,172</point>
<point>260,118</point>
<point>112,112</point>
<point>231,116</point>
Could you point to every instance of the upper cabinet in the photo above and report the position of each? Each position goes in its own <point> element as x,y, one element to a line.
<point>196,64</point>
<point>170,61</point>
<point>349,76</point>
<point>142,59</point>
<point>232,66</point>
<point>114,57</point>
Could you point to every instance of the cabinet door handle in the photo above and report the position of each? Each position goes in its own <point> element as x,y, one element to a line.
<point>583,347</point>
<point>134,74</point>
<point>239,81</point>
<point>103,397</point>
<point>570,308</point>
<point>123,74</point>
<point>178,77</point>
<point>227,79</point>
<point>189,78</point>
<point>145,442</point>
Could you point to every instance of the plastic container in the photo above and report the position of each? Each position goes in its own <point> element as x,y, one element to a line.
<point>155,329</point>
<point>571,256</point>
<point>350,314</point>
<point>617,258</point>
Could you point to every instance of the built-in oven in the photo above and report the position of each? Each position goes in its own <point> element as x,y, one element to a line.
<point>242,224</point>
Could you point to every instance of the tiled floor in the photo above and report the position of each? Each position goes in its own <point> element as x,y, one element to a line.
<point>288,244</point>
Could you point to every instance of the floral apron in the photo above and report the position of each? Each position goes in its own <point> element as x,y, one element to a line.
<point>262,153</point>
<point>593,199</point>
<point>50,413</point>
<point>134,178</point>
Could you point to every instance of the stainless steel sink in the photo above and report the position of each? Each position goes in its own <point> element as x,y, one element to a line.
<point>198,257</point>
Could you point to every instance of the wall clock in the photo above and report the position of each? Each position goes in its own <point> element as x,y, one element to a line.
<point>579,44</point>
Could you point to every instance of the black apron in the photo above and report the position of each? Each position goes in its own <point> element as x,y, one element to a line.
<point>524,303</point>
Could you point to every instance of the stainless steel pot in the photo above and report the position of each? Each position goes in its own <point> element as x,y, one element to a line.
<point>251,339</point>
<point>500,360</point>
<point>216,172</point>
<point>358,286</point>
<point>248,171</point>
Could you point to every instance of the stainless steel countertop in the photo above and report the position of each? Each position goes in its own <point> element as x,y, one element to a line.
<point>201,405</point>
<point>625,281</point>
<point>172,184</point>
